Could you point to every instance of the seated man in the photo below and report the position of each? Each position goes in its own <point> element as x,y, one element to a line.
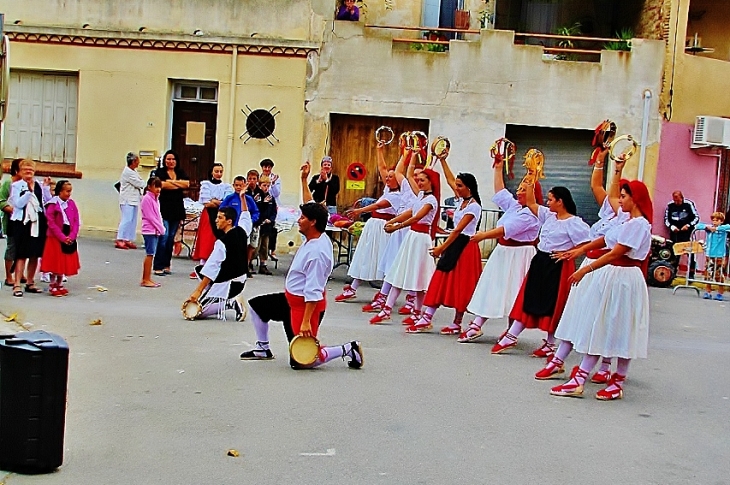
<point>301,307</point>
<point>223,276</point>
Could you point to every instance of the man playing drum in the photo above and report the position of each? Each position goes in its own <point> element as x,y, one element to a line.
<point>301,307</point>
<point>224,274</point>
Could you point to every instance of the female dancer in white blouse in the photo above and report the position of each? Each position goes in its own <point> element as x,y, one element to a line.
<point>607,314</point>
<point>372,243</point>
<point>544,291</point>
<point>212,193</point>
<point>460,263</point>
<point>516,234</point>
<point>413,265</point>
<point>609,215</point>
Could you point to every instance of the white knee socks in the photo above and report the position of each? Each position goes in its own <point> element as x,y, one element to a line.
<point>260,327</point>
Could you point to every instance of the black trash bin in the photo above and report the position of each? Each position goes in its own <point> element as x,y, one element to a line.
<point>33,384</point>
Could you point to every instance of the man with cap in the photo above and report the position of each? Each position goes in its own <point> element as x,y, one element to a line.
<point>326,186</point>
<point>275,190</point>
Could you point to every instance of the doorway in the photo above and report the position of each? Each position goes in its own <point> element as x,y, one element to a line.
<point>194,104</point>
<point>353,140</point>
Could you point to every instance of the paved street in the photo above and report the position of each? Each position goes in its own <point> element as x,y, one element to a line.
<point>155,399</point>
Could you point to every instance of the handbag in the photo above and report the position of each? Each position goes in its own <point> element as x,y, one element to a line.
<point>68,248</point>
<point>118,186</point>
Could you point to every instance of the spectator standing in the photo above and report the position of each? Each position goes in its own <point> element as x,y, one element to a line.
<point>153,228</point>
<point>680,217</point>
<point>131,186</point>
<point>174,182</point>
<point>267,217</point>
<point>348,11</point>
<point>716,252</point>
<point>275,190</point>
<point>326,186</point>
<point>60,254</point>
<point>7,209</point>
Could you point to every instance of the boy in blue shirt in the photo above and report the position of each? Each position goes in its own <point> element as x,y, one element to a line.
<point>715,252</point>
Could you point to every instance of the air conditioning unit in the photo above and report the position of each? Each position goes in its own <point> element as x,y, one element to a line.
<point>711,131</point>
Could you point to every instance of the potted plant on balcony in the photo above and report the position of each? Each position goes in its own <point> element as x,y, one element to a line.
<point>621,45</point>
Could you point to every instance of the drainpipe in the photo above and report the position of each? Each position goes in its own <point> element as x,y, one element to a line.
<point>715,154</point>
<point>231,110</point>
<point>644,133</point>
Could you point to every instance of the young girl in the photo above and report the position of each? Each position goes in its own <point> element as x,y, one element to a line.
<point>60,254</point>
<point>152,228</point>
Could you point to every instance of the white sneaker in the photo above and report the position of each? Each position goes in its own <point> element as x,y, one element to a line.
<point>46,277</point>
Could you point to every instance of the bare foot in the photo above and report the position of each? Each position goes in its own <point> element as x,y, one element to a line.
<point>150,284</point>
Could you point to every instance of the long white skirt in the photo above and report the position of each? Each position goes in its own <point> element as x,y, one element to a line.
<point>607,314</point>
<point>500,281</point>
<point>395,241</point>
<point>413,266</point>
<point>369,251</point>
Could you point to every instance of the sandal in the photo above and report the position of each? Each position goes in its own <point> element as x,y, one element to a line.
<point>32,288</point>
<point>17,291</point>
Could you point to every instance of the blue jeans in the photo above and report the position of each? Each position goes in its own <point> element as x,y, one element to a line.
<point>163,255</point>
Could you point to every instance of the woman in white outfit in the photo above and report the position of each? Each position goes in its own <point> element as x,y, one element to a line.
<point>607,313</point>
<point>131,186</point>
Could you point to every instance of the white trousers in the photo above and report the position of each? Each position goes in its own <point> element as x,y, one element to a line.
<point>128,224</point>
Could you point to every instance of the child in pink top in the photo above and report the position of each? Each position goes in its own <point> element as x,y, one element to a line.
<point>60,255</point>
<point>152,228</point>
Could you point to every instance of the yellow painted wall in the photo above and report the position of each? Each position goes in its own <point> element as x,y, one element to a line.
<point>124,104</point>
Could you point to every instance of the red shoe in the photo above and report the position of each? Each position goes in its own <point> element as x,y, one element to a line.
<point>383,316</point>
<point>63,290</point>
<point>425,327</point>
<point>616,381</point>
<point>120,245</point>
<point>601,377</point>
<point>472,333</point>
<point>452,329</point>
<point>130,245</point>
<point>554,370</point>
<point>547,351</point>
<point>498,349</point>
<point>412,319</point>
<point>193,275</point>
<point>571,388</point>
<point>56,292</point>
<point>347,294</point>
<point>407,309</point>
<point>376,305</point>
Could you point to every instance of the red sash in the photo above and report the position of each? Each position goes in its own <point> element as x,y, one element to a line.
<point>512,243</point>
<point>624,261</point>
<point>422,228</point>
<point>379,215</point>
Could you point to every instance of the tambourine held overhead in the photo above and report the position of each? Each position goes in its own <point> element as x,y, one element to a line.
<point>506,150</point>
<point>439,150</point>
<point>384,135</point>
<point>625,154</point>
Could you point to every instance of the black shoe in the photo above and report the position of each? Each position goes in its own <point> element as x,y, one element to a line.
<point>355,354</point>
<point>257,353</point>
<point>264,270</point>
<point>249,275</point>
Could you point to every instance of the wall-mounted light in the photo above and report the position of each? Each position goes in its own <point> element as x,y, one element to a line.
<point>142,29</point>
<point>199,33</point>
<point>85,26</point>
<point>18,22</point>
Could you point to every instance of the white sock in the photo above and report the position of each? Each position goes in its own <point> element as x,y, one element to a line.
<point>385,289</point>
<point>420,296</point>
<point>515,330</point>
<point>605,364</point>
<point>355,284</point>
<point>393,295</point>
<point>479,321</point>
<point>260,327</point>
<point>327,354</point>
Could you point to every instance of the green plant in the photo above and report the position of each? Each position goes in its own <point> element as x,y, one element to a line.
<point>430,47</point>
<point>485,16</point>
<point>573,30</point>
<point>621,45</point>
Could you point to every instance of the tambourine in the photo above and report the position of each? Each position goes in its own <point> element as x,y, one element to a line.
<point>507,150</point>
<point>419,145</point>
<point>191,310</point>
<point>379,135</point>
<point>439,150</point>
<point>627,153</point>
<point>304,350</point>
<point>535,164</point>
<point>603,135</point>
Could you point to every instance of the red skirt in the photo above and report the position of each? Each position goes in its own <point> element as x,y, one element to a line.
<point>454,289</point>
<point>205,240</point>
<point>547,323</point>
<point>56,261</point>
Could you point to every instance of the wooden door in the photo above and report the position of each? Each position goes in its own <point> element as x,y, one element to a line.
<point>194,160</point>
<point>353,140</point>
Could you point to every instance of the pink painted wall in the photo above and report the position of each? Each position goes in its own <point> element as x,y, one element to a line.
<point>681,168</point>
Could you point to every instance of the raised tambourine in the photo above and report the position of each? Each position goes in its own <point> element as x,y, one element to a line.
<point>419,145</point>
<point>191,309</point>
<point>384,135</point>
<point>506,150</point>
<point>304,350</point>
<point>626,154</point>
<point>439,150</point>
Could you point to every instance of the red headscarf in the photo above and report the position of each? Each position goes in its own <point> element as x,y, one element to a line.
<point>640,196</point>
<point>435,180</point>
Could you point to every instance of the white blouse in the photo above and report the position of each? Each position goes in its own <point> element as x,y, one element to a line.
<point>393,197</point>
<point>608,218</point>
<point>421,200</point>
<point>472,208</point>
<point>210,191</point>
<point>407,197</point>
<point>634,233</point>
<point>310,269</point>
<point>560,234</point>
<point>519,223</point>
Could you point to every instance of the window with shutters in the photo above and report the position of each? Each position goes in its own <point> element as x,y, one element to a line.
<point>42,117</point>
